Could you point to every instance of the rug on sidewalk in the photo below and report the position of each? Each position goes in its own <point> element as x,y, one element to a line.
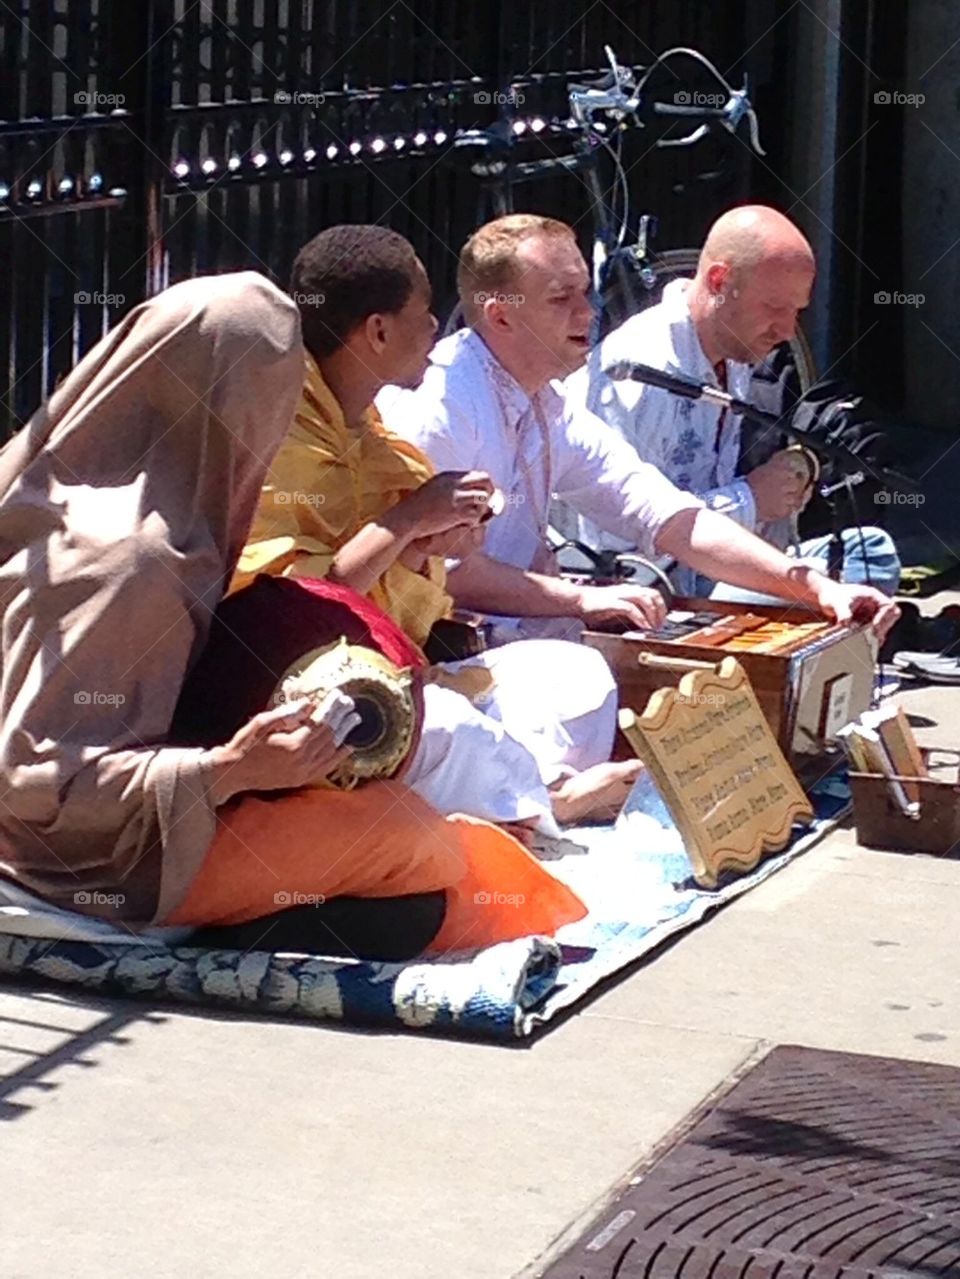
<point>633,876</point>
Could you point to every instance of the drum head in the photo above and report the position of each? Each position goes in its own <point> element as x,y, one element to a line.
<point>382,695</point>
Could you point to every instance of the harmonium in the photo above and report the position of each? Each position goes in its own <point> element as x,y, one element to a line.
<point>811,676</point>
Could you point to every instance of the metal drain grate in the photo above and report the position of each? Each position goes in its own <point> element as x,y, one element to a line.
<point>816,1165</point>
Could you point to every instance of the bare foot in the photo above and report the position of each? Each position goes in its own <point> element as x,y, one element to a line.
<point>523,832</point>
<point>596,794</point>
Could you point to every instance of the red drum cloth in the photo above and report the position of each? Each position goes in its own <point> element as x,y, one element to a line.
<point>258,633</point>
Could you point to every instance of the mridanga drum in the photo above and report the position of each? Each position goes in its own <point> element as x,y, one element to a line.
<point>383,697</point>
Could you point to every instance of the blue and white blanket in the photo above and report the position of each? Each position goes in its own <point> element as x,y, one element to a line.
<point>634,878</point>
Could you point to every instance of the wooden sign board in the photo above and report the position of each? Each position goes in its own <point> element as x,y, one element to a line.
<point>720,771</point>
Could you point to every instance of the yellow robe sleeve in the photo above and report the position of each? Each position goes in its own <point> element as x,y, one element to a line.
<point>307,512</point>
<point>289,525</point>
<point>414,601</point>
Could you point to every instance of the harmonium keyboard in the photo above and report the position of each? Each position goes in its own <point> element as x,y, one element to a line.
<point>811,676</point>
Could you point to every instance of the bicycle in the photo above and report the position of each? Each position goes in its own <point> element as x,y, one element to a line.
<point>627,278</point>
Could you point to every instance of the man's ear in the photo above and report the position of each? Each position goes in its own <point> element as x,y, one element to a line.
<point>495,314</point>
<point>375,331</point>
<point>718,277</point>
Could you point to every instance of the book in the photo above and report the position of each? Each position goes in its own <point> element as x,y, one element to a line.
<point>869,753</point>
<point>897,736</point>
<point>853,747</point>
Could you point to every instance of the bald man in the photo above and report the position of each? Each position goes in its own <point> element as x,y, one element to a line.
<point>755,275</point>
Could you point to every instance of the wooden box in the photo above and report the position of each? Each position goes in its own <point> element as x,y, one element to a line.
<point>819,678</point>
<point>881,823</point>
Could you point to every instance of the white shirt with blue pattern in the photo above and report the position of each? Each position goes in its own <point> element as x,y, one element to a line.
<point>679,436</point>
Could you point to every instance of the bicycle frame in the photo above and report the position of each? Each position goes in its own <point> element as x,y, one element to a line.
<point>621,101</point>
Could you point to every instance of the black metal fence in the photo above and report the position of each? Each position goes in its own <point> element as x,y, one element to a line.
<point>143,141</point>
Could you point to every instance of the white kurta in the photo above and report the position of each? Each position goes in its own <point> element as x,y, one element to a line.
<point>469,413</point>
<point>550,712</point>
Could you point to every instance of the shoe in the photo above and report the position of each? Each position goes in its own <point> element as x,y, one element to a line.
<point>918,634</point>
<point>936,668</point>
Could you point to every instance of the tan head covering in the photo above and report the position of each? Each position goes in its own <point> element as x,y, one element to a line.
<point>123,508</point>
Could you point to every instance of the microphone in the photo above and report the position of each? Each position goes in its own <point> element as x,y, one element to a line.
<point>681,384</point>
<point>689,388</point>
<point>677,383</point>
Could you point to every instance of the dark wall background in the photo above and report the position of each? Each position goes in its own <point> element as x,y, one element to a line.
<point>191,160</point>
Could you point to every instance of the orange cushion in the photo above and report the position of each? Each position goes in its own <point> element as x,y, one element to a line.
<point>380,840</point>
<point>503,894</point>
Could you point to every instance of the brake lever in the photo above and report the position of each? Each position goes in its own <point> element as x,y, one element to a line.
<point>739,106</point>
<point>622,76</point>
<point>615,93</point>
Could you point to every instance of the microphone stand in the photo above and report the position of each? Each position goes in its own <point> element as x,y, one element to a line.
<point>852,467</point>
<point>835,547</point>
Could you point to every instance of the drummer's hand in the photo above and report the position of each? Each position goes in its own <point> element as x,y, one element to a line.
<point>295,744</point>
<point>845,602</point>
<point>635,607</point>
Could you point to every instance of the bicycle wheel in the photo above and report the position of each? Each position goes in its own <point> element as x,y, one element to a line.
<point>645,289</point>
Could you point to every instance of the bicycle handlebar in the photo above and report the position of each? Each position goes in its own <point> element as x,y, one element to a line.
<point>666,108</point>
<point>621,96</point>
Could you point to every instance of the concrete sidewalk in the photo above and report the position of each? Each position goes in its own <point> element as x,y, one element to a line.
<point>180,1144</point>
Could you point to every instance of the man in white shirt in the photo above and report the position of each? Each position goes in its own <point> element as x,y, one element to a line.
<point>755,275</point>
<point>487,402</point>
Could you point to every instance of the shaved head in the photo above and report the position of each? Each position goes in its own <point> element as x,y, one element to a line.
<point>754,276</point>
<point>745,237</point>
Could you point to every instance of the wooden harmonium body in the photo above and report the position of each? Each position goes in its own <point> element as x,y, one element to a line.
<point>811,676</point>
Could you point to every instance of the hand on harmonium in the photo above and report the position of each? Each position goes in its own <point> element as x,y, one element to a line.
<point>633,607</point>
<point>845,602</point>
